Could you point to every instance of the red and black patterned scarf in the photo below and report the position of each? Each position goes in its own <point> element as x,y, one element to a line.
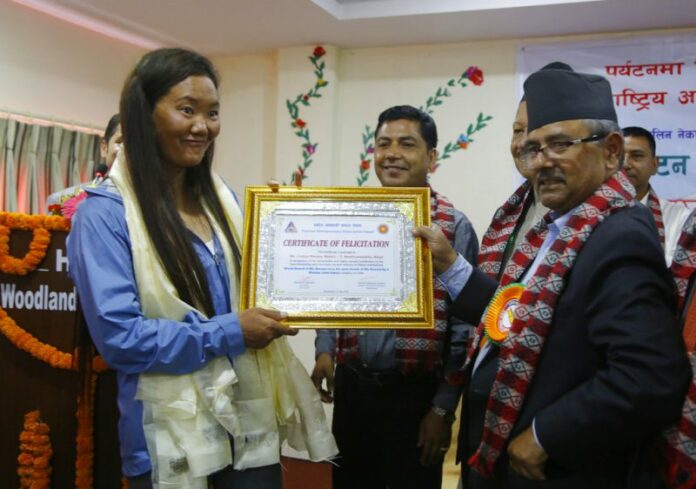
<point>654,206</point>
<point>684,261</point>
<point>416,350</point>
<point>680,447</point>
<point>501,230</point>
<point>521,350</point>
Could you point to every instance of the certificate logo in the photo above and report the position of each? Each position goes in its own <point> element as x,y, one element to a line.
<point>290,228</point>
<point>383,228</point>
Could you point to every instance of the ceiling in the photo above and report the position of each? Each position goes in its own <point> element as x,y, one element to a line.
<point>227,27</point>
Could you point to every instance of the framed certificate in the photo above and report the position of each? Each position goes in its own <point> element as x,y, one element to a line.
<point>334,257</point>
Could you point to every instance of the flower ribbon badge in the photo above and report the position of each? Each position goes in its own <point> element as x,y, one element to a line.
<point>499,315</point>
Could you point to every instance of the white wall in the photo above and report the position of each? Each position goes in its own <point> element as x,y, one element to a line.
<point>53,69</point>
<point>245,149</point>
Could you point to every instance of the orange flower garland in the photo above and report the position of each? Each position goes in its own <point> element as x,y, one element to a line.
<point>34,460</point>
<point>35,453</point>
<point>41,227</point>
<point>42,351</point>
<point>27,342</point>
<point>26,222</point>
<point>84,440</point>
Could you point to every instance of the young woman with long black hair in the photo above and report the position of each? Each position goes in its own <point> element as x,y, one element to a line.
<point>159,298</point>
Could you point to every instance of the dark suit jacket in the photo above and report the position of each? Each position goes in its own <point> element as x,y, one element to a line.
<point>613,371</point>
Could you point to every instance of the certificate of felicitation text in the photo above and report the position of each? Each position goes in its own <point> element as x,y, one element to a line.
<point>333,260</point>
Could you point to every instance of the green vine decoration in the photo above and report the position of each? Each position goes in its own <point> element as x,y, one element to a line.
<point>472,74</point>
<point>368,149</point>
<point>443,92</point>
<point>464,139</point>
<point>309,148</point>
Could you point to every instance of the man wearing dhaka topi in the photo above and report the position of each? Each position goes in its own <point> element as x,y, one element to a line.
<point>574,390</point>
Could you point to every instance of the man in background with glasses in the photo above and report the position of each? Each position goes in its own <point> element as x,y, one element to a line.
<point>640,163</point>
<point>577,363</point>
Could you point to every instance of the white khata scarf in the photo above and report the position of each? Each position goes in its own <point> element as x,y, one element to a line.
<point>262,398</point>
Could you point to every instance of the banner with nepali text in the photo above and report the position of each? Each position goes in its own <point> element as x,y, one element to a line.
<point>653,81</point>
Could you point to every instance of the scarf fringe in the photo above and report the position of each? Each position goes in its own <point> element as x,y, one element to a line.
<point>265,398</point>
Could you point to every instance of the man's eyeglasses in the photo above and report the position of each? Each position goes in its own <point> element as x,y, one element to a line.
<point>554,149</point>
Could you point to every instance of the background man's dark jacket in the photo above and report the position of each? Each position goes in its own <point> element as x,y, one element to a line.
<point>613,371</point>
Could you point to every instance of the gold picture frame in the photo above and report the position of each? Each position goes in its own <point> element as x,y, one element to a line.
<point>338,257</point>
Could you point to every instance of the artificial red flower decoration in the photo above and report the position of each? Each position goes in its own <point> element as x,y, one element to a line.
<point>365,165</point>
<point>319,52</point>
<point>70,206</point>
<point>300,123</point>
<point>475,75</point>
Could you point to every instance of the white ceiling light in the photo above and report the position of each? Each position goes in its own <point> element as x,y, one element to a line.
<point>364,9</point>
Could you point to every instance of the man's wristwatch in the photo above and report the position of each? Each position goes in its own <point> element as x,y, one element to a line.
<point>447,416</point>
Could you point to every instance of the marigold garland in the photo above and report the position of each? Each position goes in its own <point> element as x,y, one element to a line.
<point>30,344</point>
<point>41,227</point>
<point>37,251</point>
<point>27,222</point>
<point>34,460</point>
<point>41,351</point>
<point>84,440</point>
<point>35,453</point>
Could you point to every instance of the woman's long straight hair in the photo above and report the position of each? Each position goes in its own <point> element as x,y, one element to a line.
<point>154,75</point>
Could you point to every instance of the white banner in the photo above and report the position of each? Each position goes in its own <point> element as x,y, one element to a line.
<point>653,81</point>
